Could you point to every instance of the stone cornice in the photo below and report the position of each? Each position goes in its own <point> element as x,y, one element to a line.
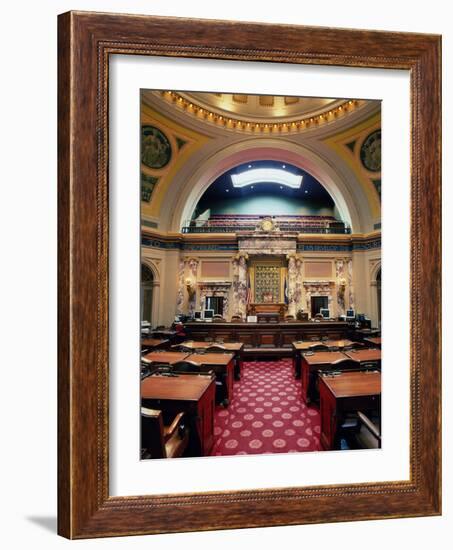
<point>153,238</point>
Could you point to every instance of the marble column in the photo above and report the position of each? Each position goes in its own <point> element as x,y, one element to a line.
<point>298,291</point>
<point>294,288</point>
<point>341,285</point>
<point>180,297</point>
<point>192,265</point>
<point>350,286</point>
<point>240,284</point>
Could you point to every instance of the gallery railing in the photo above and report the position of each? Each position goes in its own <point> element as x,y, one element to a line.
<point>192,226</point>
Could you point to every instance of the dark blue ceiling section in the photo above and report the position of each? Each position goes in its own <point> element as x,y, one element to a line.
<point>310,190</point>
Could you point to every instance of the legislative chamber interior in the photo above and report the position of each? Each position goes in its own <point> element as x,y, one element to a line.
<point>260,280</point>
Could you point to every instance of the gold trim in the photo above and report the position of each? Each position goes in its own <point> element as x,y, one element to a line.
<point>249,126</point>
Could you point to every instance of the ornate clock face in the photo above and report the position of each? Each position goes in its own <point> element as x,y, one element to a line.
<point>370,152</point>
<point>267,225</point>
<point>156,149</point>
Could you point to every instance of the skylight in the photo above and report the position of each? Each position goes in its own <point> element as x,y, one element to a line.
<point>266,175</point>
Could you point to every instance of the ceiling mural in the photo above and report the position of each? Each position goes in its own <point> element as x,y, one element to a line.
<point>155,147</point>
<point>370,152</point>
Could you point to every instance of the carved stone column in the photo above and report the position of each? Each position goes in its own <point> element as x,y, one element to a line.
<point>340,267</point>
<point>240,284</point>
<point>350,285</point>
<point>191,284</point>
<point>298,291</point>
<point>180,297</point>
<point>294,288</point>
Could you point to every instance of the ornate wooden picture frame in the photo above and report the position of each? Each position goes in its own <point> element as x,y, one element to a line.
<point>85,508</point>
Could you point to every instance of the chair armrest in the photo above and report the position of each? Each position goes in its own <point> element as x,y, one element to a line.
<point>371,427</point>
<point>170,430</point>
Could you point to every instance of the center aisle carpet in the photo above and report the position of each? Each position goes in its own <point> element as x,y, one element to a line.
<point>267,414</point>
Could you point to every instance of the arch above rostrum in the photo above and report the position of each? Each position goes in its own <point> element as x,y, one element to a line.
<point>348,198</point>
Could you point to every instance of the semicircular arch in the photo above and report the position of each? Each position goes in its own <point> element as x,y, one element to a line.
<point>352,208</point>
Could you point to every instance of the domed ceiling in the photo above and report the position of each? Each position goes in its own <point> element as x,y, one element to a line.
<point>262,107</point>
<point>256,113</point>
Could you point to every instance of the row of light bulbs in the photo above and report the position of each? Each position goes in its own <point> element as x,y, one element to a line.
<point>233,123</point>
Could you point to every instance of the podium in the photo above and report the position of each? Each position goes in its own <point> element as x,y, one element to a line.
<point>266,312</point>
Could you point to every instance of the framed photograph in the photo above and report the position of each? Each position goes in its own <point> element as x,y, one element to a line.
<point>231,353</point>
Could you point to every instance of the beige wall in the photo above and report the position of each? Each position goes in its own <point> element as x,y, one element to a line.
<point>365,265</point>
<point>164,264</point>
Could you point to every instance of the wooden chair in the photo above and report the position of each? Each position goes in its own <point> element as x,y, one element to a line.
<point>354,345</point>
<point>318,347</point>
<point>369,433</point>
<point>345,364</point>
<point>218,319</point>
<point>183,348</point>
<point>160,441</point>
<point>184,367</point>
<point>149,368</point>
<point>216,348</point>
<point>370,366</point>
<point>358,431</point>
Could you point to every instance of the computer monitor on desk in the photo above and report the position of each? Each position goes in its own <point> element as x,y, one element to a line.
<point>325,313</point>
<point>197,316</point>
<point>208,314</point>
<point>350,314</point>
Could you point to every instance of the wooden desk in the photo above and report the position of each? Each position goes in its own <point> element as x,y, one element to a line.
<point>346,392</point>
<point>365,355</point>
<point>254,335</point>
<point>374,341</point>
<point>166,356</point>
<point>234,347</point>
<point>299,347</point>
<point>223,366</point>
<point>154,343</point>
<point>190,393</point>
<point>310,364</point>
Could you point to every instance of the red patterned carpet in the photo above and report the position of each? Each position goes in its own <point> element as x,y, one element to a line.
<point>267,414</point>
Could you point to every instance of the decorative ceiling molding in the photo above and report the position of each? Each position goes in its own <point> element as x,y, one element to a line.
<point>270,124</point>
